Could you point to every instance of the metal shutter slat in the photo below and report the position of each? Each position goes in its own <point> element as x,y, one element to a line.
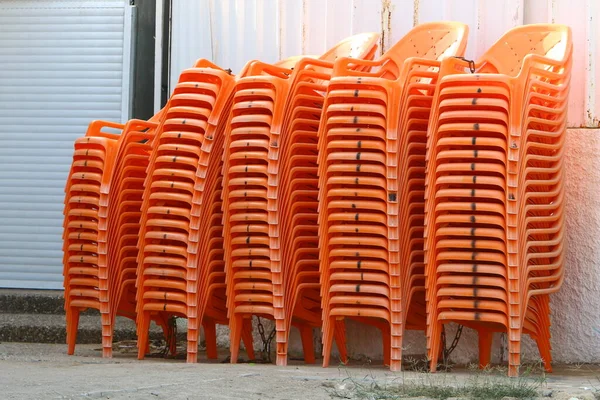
<point>61,66</point>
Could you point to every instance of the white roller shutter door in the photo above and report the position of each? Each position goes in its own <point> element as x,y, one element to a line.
<point>62,64</point>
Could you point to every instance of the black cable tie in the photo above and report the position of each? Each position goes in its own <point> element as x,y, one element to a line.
<point>471,63</point>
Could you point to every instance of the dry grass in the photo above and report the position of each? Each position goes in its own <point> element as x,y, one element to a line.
<point>490,384</point>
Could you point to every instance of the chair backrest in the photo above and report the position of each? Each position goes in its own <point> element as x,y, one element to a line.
<point>359,46</point>
<point>433,41</point>
<point>289,62</point>
<point>362,46</point>
<point>507,54</point>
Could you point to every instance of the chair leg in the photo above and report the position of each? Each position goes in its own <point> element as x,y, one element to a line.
<point>436,346</point>
<point>107,335</point>
<point>168,330</point>
<point>192,340</point>
<point>172,340</point>
<point>328,333</point>
<point>143,342</point>
<point>485,347</point>
<point>514,352</point>
<point>210,337</point>
<point>248,339</point>
<point>340,340</point>
<point>308,347</point>
<point>387,347</point>
<point>235,326</point>
<point>545,352</point>
<point>543,338</point>
<point>72,327</point>
<point>396,334</point>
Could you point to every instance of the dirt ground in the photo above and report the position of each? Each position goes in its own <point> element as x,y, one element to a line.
<point>44,371</point>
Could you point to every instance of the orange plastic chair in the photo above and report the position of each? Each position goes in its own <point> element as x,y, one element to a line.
<point>371,182</point>
<point>494,191</point>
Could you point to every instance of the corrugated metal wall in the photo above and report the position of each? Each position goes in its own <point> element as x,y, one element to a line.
<point>231,32</point>
<point>62,64</point>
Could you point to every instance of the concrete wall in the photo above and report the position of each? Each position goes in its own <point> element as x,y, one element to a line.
<point>576,315</point>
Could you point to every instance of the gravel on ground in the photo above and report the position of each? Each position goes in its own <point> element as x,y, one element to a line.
<point>45,371</point>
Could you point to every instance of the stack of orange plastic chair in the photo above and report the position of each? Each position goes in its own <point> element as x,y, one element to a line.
<point>297,194</point>
<point>370,250</point>
<point>92,188</point>
<point>174,202</point>
<point>83,226</point>
<point>212,285</point>
<point>494,194</point>
<point>254,285</point>
<point>119,250</point>
<point>212,282</point>
<point>205,248</point>
<point>255,274</point>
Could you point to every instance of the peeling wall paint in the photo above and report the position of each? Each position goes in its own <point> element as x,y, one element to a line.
<point>231,32</point>
<point>386,25</point>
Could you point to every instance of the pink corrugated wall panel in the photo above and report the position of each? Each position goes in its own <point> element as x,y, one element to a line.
<point>231,32</point>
